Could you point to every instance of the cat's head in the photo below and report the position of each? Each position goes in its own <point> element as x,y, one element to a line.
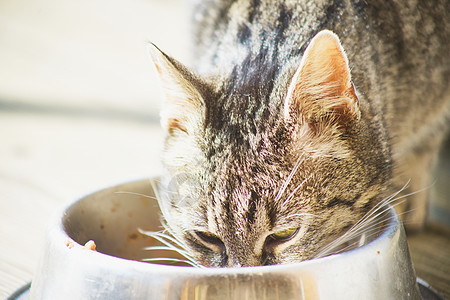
<point>268,162</point>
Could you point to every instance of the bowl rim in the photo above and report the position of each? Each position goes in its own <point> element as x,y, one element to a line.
<point>56,227</point>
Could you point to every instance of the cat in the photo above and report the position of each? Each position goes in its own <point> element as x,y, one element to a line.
<point>298,119</point>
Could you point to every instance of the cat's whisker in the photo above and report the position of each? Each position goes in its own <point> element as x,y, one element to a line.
<point>363,226</point>
<point>165,248</point>
<point>155,188</point>
<point>302,214</point>
<point>364,230</point>
<point>360,230</point>
<point>176,260</point>
<point>136,194</point>
<point>170,240</point>
<point>171,236</point>
<point>161,237</point>
<point>409,194</point>
<point>295,190</point>
<point>366,224</point>
<point>363,222</point>
<point>336,246</point>
<point>387,200</point>
<point>356,241</point>
<point>289,178</point>
<point>392,201</point>
<point>374,211</point>
<point>171,243</point>
<point>165,236</point>
<point>164,209</point>
<point>161,240</point>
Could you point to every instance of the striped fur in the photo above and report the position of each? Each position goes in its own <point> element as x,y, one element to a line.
<point>245,157</point>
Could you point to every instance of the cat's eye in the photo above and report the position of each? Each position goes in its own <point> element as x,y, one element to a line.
<point>284,235</point>
<point>275,239</point>
<point>210,239</point>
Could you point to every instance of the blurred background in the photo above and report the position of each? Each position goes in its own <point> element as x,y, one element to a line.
<point>79,108</point>
<point>79,111</point>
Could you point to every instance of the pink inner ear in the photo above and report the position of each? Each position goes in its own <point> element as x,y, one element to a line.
<point>325,64</point>
<point>322,83</point>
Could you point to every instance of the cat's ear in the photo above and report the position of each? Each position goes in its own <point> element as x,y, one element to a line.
<point>321,89</point>
<point>183,101</point>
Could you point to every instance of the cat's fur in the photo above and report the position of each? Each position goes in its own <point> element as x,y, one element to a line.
<point>269,137</point>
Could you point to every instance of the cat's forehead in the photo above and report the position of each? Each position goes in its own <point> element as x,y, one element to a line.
<point>245,121</point>
<point>242,190</point>
<point>241,208</point>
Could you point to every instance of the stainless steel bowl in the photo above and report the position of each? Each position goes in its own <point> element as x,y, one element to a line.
<point>380,269</point>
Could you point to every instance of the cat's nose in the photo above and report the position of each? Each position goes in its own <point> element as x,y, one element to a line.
<point>241,253</point>
<point>233,263</point>
<point>243,261</point>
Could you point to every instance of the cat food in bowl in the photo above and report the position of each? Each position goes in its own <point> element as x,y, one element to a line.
<point>114,219</point>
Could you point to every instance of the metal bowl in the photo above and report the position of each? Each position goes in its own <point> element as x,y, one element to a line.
<point>380,269</point>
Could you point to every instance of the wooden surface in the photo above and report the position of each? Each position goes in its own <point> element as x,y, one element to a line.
<point>48,160</point>
<point>430,252</point>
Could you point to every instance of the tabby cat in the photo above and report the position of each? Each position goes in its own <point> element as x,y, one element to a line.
<point>300,117</point>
